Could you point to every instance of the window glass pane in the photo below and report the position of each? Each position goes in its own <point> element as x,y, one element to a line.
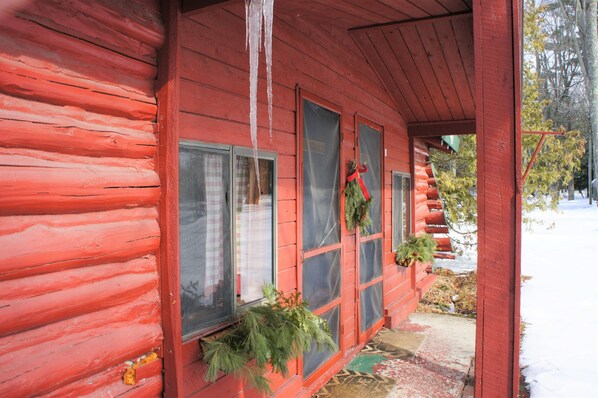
<point>406,207</point>
<point>370,260</point>
<point>397,210</point>
<point>321,206</point>
<point>313,359</point>
<point>371,306</point>
<point>253,227</point>
<point>370,148</point>
<point>322,278</point>
<point>204,228</point>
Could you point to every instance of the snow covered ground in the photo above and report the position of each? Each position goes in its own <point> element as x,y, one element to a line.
<point>559,304</point>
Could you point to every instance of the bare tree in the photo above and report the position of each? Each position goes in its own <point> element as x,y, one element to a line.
<point>569,66</point>
<point>590,39</point>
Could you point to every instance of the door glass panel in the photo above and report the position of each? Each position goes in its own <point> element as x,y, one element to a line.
<point>371,306</point>
<point>370,148</point>
<point>254,222</point>
<point>313,359</point>
<point>322,279</point>
<point>204,237</point>
<point>321,207</point>
<point>370,260</point>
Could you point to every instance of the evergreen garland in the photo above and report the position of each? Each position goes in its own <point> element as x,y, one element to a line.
<point>357,209</point>
<point>416,248</point>
<point>270,334</point>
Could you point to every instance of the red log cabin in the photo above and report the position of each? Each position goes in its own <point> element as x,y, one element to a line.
<point>129,221</point>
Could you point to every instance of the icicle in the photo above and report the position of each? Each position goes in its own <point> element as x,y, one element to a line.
<point>259,16</point>
<point>268,20</point>
<point>254,10</point>
<point>247,23</point>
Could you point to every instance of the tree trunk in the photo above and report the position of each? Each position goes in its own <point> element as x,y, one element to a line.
<point>590,164</point>
<point>591,38</point>
<point>571,190</point>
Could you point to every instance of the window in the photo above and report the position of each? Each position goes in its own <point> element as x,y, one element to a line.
<point>227,234</point>
<point>401,208</point>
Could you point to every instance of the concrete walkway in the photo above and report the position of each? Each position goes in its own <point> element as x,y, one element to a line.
<point>427,356</point>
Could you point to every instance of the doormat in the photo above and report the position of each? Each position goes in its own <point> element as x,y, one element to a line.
<point>353,384</point>
<point>394,344</point>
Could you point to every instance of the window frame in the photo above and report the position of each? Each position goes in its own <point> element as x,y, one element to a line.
<point>233,151</point>
<point>402,175</point>
<point>267,155</point>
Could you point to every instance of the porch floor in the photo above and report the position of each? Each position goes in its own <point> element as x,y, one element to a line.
<point>428,355</point>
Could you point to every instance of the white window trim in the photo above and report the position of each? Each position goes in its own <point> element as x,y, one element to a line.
<point>394,199</point>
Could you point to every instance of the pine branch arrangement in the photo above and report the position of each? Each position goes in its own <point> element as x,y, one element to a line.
<point>357,209</point>
<point>416,248</point>
<point>270,334</point>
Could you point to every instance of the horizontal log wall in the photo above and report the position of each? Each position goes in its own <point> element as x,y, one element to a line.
<point>323,61</point>
<point>78,193</point>
<point>421,208</point>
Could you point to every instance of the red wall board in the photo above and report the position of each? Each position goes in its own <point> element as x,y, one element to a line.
<point>111,344</point>
<point>110,382</point>
<point>49,283</point>
<point>66,45</point>
<point>287,256</point>
<point>75,140</point>
<point>47,114</point>
<point>143,310</point>
<point>56,88</point>
<point>287,234</point>
<point>18,315</point>
<point>59,248</point>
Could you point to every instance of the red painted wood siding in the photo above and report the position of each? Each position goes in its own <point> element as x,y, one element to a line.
<point>498,38</point>
<point>78,193</point>
<point>214,108</point>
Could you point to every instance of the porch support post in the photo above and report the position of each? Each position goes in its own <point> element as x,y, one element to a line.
<point>497,38</point>
<point>168,140</point>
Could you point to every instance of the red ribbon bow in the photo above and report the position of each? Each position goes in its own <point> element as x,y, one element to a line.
<point>360,169</point>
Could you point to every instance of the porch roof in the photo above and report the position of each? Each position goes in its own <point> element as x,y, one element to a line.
<point>422,52</point>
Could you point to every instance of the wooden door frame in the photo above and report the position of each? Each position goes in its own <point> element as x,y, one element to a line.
<point>301,94</point>
<point>363,337</point>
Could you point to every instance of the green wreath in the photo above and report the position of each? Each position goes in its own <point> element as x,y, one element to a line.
<point>357,207</point>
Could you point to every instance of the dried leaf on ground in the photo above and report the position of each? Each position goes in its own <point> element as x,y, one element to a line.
<point>452,293</point>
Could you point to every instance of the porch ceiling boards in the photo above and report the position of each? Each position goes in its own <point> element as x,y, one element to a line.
<point>426,65</point>
<point>422,51</point>
<point>348,14</point>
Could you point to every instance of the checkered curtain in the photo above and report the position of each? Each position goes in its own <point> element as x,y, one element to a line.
<point>214,253</point>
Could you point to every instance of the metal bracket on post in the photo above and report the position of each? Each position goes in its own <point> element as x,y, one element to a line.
<point>538,147</point>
